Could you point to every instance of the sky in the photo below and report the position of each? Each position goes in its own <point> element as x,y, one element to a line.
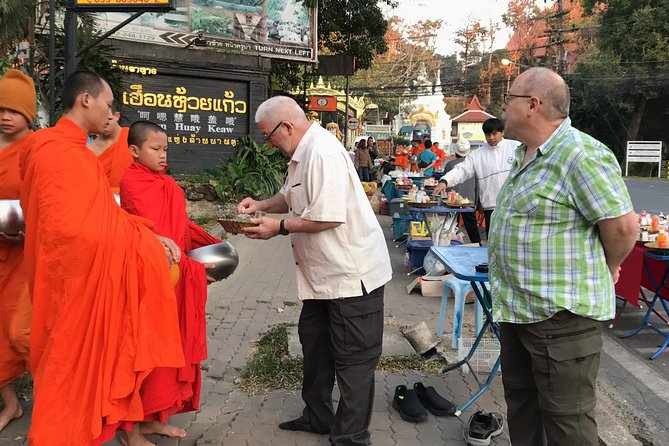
<point>455,15</point>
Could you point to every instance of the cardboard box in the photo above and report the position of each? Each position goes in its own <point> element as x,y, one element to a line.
<point>433,286</point>
<point>429,285</point>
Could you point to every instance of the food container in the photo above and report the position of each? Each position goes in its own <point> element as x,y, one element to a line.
<point>234,225</point>
<point>11,217</point>
<point>223,255</point>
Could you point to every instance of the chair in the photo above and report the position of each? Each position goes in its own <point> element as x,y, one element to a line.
<point>460,290</point>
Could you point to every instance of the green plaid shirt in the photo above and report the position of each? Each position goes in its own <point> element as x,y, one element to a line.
<point>544,248</point>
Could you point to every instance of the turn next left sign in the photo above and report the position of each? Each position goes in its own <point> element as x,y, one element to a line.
<point>123,5</point>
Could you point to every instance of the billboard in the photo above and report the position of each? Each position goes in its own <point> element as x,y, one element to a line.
<point>283,29</point>
<point>204,118</point>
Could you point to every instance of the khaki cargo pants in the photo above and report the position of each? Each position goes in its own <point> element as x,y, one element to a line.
<point>549,370</point>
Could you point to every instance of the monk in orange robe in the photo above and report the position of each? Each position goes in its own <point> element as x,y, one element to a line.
<point>17,111</point>
<point>104,310</point>
<point>111,148</point>
<point>148,192</point>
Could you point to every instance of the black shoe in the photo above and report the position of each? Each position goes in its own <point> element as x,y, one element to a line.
<point>432,401</point>
<point>301,424</point>
<point>407,404</point>
<point>483,426</point>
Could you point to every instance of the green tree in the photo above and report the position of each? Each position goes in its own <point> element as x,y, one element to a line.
<point>355,27</point>
<point>633,39</point>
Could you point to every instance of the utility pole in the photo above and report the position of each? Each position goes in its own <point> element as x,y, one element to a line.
<point>70,28</point>
<point>561,53</point>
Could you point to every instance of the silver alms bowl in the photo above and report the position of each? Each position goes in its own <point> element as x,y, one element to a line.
<point>223,255</point>
<point>11,217</point>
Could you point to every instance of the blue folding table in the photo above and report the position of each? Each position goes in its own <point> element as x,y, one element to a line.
<point>661,287</point>
<point>462,261</point>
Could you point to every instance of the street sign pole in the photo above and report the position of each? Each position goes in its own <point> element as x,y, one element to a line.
<point>70,26</point>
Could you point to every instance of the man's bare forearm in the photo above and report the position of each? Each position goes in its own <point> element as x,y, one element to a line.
<point>618,236</point>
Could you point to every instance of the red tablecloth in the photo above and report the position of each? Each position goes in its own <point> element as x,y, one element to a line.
<point>633,275</point>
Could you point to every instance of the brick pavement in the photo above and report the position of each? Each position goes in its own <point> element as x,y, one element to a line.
<point>243,307</point>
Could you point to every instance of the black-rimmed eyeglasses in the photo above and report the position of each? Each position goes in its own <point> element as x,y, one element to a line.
<point>508,96</point>
<point>268,136</point>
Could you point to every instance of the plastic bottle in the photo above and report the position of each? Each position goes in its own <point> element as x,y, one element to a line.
<point>662,240</point>
<point>642,218</point>
<point>419,195</point>
<point>654,223</point>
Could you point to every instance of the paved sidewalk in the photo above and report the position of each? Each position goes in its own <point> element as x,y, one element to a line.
<point>243,307</point>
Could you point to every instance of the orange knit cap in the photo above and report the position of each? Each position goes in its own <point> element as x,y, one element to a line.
<point>17,92</point>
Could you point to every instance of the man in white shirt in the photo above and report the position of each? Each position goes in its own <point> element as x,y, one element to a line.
<point>490,165</point>
<point>342,267</point>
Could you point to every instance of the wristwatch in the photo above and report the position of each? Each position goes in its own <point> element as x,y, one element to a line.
<point>282,228</point>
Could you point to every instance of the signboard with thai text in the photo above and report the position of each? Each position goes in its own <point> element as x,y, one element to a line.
<point>204,118</point>
<point>123,5</point>
<point>278,29</point>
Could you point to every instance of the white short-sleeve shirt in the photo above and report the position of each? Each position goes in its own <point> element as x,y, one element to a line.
<point>322,185</point>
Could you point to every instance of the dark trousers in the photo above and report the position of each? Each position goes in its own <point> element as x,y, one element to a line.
<point>469,220</point>
<point>486,215</point>
<point>549,370</point>
<point>363,173</point>
<point>342,338</point>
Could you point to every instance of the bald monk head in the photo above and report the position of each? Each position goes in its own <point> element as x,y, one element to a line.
<point>148,145</point>
<point>108,136</point>
<point>87,101</point>
<point>537,103</point>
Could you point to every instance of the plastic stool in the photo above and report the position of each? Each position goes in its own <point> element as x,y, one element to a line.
<point>460,290</point>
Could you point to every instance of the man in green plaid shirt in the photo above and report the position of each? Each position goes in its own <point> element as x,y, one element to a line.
<point>562,227</point>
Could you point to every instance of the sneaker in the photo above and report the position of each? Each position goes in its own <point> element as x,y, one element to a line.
<point>407,404</point>
<point>432,401</point>
<point>482,427</point>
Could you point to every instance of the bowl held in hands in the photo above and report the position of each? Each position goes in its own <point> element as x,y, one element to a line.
<point>11,217</point>
<point>223,255</point>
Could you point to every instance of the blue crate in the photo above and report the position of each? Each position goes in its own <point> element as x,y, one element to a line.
<point>401,225</point>
<point>417,249</point>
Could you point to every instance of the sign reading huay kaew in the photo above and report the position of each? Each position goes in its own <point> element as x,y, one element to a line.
<point>204,118</point>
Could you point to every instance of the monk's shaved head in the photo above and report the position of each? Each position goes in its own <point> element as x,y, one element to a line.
<point>78,83</point>
<point>139,131</point>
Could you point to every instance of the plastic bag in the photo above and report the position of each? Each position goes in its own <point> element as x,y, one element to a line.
<point>376,203</point>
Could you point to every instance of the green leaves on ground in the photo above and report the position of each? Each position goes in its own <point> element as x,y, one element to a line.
<point>271,367</point>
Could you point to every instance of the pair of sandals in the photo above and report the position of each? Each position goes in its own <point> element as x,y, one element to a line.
<point>413,404</point>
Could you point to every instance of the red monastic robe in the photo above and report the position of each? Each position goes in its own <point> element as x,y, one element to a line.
<point>116,159</point>
<point>104,311</point>
<point>158,197</point>
<point>14,297</point>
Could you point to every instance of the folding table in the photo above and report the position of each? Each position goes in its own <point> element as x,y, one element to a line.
<point>462,261</point>
<point>660,289</point>
<point>449,214</point>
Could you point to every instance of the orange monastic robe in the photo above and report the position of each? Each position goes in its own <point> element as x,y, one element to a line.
<point>116,159</point>
<point>14,296</point>
<point>104,310</point>
<point>158,197</point>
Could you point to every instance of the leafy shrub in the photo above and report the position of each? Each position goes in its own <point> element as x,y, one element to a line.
<point>256,171</point>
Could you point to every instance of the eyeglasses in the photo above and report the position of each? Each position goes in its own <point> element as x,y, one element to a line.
<point>268,136</point>
<point>507,97</point>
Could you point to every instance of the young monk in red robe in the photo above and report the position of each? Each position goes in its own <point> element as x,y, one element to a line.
<point>148,192</point>
<point>104,311</point>
<point>111,148</point>
<point>17,111</point>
